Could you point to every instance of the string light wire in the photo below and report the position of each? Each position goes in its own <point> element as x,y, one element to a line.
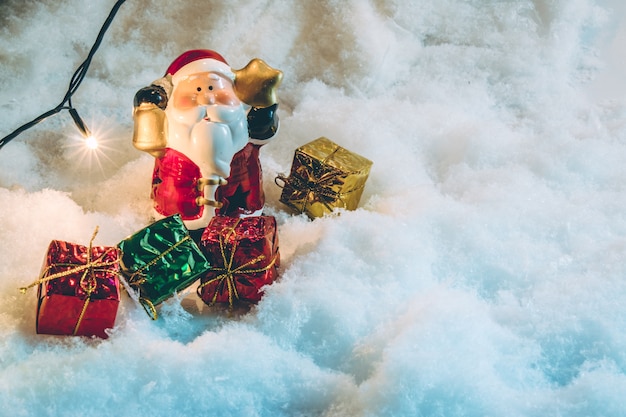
<point>75,82</point>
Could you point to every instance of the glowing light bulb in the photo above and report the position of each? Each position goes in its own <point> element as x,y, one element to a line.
<point>91,142</point>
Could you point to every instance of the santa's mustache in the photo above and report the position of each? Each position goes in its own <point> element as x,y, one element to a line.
<point>216,113</point>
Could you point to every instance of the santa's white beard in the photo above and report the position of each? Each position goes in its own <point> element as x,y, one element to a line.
<point>208,135</point>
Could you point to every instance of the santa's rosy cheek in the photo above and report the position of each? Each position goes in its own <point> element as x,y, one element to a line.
<point>226,97</point>
<point>185,102</point>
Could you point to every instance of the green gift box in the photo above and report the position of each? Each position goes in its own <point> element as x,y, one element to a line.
<point>160,260</point>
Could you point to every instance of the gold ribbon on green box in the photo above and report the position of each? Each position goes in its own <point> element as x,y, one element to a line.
<point>160,260</point>
<point>324,176</point>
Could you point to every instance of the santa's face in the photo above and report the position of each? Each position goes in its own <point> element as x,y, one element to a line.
<point>207,96</point>
<point>203,89</point>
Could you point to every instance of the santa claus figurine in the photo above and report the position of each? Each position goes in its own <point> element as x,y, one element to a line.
<point>204,123</point>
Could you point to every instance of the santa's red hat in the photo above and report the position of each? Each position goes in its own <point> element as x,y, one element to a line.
<point>199,60</point>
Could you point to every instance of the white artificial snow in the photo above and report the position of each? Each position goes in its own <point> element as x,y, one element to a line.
<point>484,273</point>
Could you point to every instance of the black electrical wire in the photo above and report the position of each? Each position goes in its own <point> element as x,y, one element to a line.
<point>75,82</point>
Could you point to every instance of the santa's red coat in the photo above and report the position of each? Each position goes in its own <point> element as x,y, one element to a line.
<point>175,185</point>
<point>243,194</point>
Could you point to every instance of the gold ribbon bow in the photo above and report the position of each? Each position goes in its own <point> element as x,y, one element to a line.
<point>314,184</point>
<point>228,272</point>
<point>87,281</point>
<point>314,191</point>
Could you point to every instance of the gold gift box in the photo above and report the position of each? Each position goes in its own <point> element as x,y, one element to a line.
<point>324,176</point>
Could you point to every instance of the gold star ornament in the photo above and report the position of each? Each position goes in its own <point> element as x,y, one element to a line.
<point>256,83</point>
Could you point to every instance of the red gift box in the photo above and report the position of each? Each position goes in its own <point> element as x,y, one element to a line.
<point>244,256</point>
<point>78,290</point>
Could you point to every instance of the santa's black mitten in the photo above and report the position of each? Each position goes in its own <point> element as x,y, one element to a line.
<point>152,94</point>
<point>263,122</point>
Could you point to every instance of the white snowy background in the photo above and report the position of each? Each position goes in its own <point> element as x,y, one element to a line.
<point>484,273</point>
